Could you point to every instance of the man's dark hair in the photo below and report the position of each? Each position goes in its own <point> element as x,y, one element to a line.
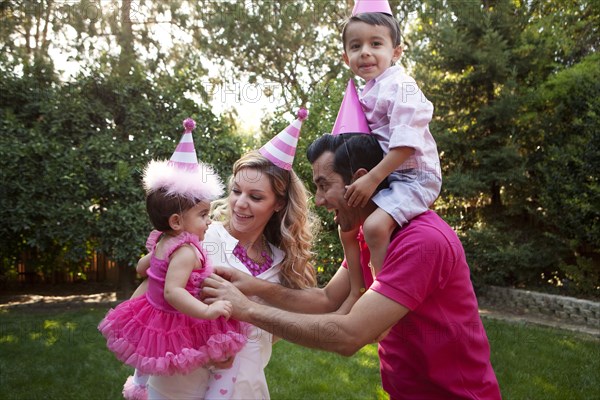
<point>351,151</point>
<point>376,18</point>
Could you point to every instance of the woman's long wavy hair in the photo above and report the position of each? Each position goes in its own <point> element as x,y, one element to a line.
<point>292,229</point>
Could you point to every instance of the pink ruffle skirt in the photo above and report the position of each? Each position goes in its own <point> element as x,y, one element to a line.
<point>158,342</point>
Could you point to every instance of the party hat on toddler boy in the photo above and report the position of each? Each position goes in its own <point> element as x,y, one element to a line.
<point>282,148</point>
<point>371,6</point>
<point>351,117</point>
<point>183,175</point>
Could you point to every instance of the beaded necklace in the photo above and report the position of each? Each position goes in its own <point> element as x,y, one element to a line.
<point>254,266</point>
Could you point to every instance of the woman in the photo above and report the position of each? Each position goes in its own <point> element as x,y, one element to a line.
<point>264,228</point>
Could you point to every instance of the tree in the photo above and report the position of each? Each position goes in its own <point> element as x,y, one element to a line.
<point>152,34</point>
<point>286,46</point>
<point>71,176</point>
<point>291,47</point>
<point>564,167</point>
<point>25,31</point>
<point>481,63</point>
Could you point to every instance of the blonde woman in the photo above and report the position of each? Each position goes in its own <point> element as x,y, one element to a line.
<point>263,228</point>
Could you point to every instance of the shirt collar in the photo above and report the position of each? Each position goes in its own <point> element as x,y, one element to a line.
<point>388,72</point>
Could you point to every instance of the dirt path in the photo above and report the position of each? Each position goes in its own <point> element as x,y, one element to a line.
<point>48,302</point>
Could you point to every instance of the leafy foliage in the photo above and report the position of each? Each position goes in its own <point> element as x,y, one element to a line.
<point>280,37</point>
<point>565,164</point>
<point>324,104</point>
<point>516,124</point>
<point>72,156</point>
<point>514,85</point>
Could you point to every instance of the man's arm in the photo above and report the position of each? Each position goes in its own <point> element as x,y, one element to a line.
<point>309,300</point>
<point>372,315</point>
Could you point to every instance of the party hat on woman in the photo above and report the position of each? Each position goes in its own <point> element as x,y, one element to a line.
<point>351,117</point>
<point>282,148</point>
<point>371,6</point>
<point>183,175</point>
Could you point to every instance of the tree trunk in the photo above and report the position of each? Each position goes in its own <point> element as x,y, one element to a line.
<point>496,199</point>
<point>125,40</point>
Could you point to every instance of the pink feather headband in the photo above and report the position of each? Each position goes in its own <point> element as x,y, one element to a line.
<point>183,175</point>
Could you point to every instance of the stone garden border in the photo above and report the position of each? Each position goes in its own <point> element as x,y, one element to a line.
<point>568,309</point>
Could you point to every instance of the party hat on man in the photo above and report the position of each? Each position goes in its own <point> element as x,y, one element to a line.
<point>282,148</point>
<point>371,6</point>
<point>351,117</point>
<point>183,175</point>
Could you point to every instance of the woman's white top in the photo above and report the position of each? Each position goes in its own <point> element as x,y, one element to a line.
<point>254,357</point>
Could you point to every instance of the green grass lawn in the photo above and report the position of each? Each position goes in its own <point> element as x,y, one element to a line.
<point>60,355</point>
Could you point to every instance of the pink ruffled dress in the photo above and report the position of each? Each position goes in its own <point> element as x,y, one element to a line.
<point>150,335</point>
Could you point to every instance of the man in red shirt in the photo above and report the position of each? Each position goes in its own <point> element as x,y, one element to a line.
<point>422,301</point>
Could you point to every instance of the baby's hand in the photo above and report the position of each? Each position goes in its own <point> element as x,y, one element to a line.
<point>220,308</point>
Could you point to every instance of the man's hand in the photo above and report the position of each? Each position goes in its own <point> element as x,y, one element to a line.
<point>241,280</point>
<point>215,288</point>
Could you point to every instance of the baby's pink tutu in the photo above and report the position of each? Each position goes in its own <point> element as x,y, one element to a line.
<point>159,340</point>
<point>162,343</point>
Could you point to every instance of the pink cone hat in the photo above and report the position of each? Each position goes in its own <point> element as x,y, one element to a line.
<point>282,148</point>
<point>184,155</point>
<point>371,6</point>
<point>183,175</point>
<point>351,117</point>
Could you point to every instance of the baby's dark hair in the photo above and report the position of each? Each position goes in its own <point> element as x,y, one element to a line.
<point>376,18</point>
<point>160,205</point>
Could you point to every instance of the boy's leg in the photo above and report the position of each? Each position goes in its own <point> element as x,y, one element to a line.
<point>378,228</point>
<point>352,254</point>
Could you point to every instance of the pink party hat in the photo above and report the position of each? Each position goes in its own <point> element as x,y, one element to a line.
<point>184,155</point>
<point>281,149</point>
<point>351,117</point>
<point>371,6</point>
<point>183,175</point>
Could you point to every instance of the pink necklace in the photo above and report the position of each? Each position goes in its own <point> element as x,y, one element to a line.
<point>256,267</point>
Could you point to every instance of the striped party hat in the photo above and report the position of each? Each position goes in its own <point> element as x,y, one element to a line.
<point>281,149</point>
<point>184,155</point>
<point>351,117</point>
<point>371,6</point>
<point>183,175</point>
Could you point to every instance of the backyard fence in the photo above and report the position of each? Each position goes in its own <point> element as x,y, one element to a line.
<point>27,270</point>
